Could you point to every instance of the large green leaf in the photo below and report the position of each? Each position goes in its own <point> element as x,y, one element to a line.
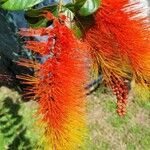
<point>34,16</point>
<point>19,4</point>
<point>77,31</point>
<point>67,12</point>
<point>89,7</point>
<point>39,11</point>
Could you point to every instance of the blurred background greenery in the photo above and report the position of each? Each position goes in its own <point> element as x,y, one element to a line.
<point>107,130</point>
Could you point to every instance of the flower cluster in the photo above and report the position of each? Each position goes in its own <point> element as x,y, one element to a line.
<point>120,89</point>
<point>58,84</point>
<point>119,42</point>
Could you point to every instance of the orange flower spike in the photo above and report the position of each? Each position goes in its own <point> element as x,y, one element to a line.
<point>103,46</point>
<point>33,32</point>
<point>60,83</point>
<point>29,63</point>
<point>42,48</point>
<point>120,45</point>
<point>120,42</point>
<point>65,93</point>
<point>130,33</point>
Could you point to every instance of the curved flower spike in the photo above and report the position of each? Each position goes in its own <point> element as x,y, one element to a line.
<point>58,84</point>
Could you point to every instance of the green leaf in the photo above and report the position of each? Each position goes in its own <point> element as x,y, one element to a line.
<point>19,4</point>
<point>70,6</point>
<point>89,7</point>
<point>79,3</point>
<point>67,12</point>
<point>35,18</point>
<point>77,31</point>
<point>38,12</point>
<point>41,23</point>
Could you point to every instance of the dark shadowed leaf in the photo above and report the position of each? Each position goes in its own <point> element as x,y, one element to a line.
<point>35,18</point>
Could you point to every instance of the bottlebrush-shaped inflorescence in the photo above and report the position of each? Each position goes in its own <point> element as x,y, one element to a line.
<point>58,84</point>
<point>120,42</point>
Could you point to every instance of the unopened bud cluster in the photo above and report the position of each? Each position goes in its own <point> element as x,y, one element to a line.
<point>120,89</point>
